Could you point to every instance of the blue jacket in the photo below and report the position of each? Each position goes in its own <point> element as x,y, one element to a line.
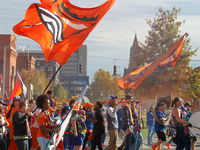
<point>150,119</point>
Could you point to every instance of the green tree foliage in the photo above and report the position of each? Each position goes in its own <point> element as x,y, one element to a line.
<point>58,90</point>
<point>164,33</point>
<point>31,77</point>
<point>103,85</point>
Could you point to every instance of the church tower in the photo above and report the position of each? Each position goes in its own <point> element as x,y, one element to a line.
<point>132,62</point>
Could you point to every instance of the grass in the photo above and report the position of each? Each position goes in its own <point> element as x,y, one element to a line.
<point>145,130</point>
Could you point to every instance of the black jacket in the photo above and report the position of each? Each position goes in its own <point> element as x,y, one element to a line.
<point>20,125</point>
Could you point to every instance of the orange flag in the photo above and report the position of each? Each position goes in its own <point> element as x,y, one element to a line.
<point>1,81</point>
<point>60,27</point>
<point>169,59</point>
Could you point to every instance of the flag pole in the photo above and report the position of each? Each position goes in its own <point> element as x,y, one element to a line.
<point>186,34</point>
<point>52,79</point>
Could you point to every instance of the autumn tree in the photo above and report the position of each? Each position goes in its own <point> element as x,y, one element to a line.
<point>58,90</point>
<point>164,33</point>
<point>103,85</point>
<point>31,77</point>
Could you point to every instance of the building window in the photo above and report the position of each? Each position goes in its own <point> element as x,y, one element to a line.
<point>78,82</point>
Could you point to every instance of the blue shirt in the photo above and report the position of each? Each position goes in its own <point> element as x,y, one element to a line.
<point>89,123</point>
<point>150,119</point>
<point>159,127</point>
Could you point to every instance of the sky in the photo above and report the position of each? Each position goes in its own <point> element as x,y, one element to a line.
<point>109,43</point>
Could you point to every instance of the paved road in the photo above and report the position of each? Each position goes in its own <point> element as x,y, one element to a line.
<point>148,147</point>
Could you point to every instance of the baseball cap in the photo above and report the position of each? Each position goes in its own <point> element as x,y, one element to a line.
<point>111,97</point>
<point>16,98</point>
<point>160,104</point>
<point>51,109</point>
<point>87,105</point>
<point>188,104</point>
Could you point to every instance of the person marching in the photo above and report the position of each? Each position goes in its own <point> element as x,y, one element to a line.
<point>44,122</point>
<point>180,118</point>
<point>112,122</point>
<point>150,124</point>
<point>159,129</point>
<point>89,114</point>
<point>99,127</point>
<point>77,129</point>
<point>22,132</point>
<point>127,124</point>
<point>187,106</point>
<point>3,125</point>
<point>137,129</point>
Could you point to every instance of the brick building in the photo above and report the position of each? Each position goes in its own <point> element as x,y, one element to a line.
<point>8,42</point>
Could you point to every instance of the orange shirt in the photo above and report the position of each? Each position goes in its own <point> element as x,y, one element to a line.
<point>43,119</point>
<point>14,109</point>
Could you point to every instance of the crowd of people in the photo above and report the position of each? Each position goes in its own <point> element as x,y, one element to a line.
<point>28,125</point>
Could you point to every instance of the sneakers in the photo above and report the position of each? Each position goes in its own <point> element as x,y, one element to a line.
<point>119,148</point>
<point>103,145</point>
<point>167,144</point>
<point>154,147</point>
<point>86,147</point>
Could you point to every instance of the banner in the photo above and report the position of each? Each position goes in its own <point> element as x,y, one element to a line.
<point>58,136</point>
<point>170,58</point>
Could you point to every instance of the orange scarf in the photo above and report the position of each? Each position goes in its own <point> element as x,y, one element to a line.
<point>131,115</point>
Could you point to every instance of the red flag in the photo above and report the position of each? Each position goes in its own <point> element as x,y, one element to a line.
<point>16,91</point>
<point>60,27</point>
<point>169,59</point>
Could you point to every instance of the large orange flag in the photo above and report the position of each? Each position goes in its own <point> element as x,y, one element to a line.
<point>169,59</point>
<point>60,27</point>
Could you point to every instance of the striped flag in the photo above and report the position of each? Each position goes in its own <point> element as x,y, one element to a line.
<point>58,136</point>
<point>19,89</point>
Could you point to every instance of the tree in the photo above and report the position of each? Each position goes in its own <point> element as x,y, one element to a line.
<point>163,34</point>
<point>103,86</point>
<point>58,90</point>
<point>31,77</point>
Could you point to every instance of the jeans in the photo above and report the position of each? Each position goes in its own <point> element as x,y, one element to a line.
<point>43,141</point>
<point>151,132</point>
<point>22,144</point>
<point>138,140</point>
<point>130,140</point>
<point>103,137</point>
<point>182,140</point>
<point>119,126</point>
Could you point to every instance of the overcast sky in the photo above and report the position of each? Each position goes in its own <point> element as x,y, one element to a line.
<point>113,36</point>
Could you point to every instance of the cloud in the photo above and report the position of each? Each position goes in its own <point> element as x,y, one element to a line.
<point>114,35</point>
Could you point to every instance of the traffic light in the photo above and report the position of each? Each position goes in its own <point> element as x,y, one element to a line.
<point>115,70</point>
<point>81,68</point>
<point>28,64</point>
